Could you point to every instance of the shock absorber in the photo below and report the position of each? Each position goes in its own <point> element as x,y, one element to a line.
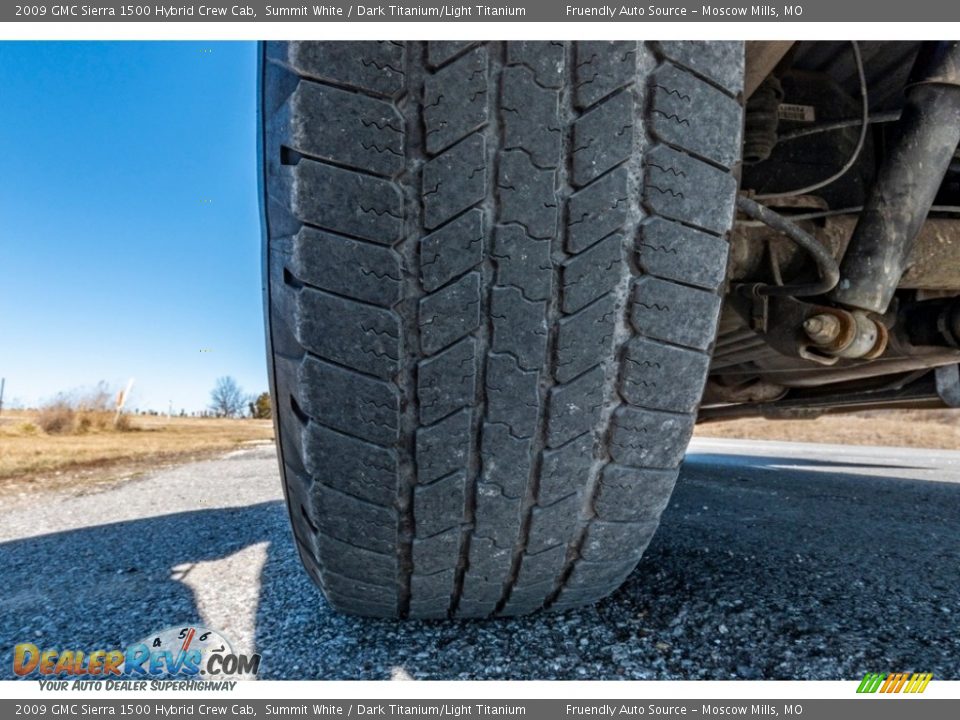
<point>907,183</point>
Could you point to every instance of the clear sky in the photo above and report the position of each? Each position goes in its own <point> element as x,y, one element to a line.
<point>129,230</point>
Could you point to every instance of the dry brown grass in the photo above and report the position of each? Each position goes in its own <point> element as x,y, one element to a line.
<point>938,429</point>
<point>28,455</point>
<point>31,458</point>
<point>82,411</point>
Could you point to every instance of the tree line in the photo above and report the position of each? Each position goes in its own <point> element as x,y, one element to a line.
<point>227,399</point>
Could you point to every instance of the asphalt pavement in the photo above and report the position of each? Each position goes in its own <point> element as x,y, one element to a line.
<point>773,560</point>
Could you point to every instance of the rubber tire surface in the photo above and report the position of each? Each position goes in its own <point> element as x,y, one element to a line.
<point>493,277</point>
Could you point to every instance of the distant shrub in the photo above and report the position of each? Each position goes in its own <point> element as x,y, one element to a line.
<point>57,417</point>
<point>93,419</point>
<point>82,411</point>
<point>27,428</point>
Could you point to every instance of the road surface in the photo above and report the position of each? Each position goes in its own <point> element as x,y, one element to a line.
<point>774,560</point>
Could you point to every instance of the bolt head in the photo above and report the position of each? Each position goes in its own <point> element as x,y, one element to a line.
<point>822,329</point>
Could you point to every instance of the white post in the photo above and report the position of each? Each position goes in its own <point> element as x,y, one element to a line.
<point>121,400</point>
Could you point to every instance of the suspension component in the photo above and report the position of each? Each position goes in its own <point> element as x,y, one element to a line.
<point>907,183</point>
<point>842,334</point>
<point>761,121</point>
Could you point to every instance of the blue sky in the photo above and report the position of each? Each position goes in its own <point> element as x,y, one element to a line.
<point>129,230</point>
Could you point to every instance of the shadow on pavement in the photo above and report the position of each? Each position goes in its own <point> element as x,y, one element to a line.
<point>764,575</point>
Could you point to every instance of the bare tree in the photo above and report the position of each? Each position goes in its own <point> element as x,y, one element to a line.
<point>226,398</point>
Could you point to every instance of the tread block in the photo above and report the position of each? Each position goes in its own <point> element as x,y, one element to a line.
<point>452,250</point>
<point>347,267</point>
<point>676,252</point>
<point>469,608</point>
<point>512,395</point>
<point>631,538</point>
<point>721,61</point>
<point>455,100</point>
<point>649,438</point>
<point>650,372</point>
<point>354,562</point>
<point>489,565</point>
<point>575,407</point>
<point>674,313</point>
<point>519,327</point>
<point>498,520</point>
<point>345,127</point>
<point>353,466</point>
<point>524,601</point>
<point>349,588</point>
<point>506,460</point>
<point>375,67</point>
<point>537,569</point>
<point>527,194</point>
<point>554,525</point>
<point>597,210</point>
<point>627,494</point>
<point>430,609</point>
<point>436,553</point>
<point>348,332</point>
<point>447,381</point>
<point>347,401</point>
<point>592,580</point>
<point>524,262</point>
<point>545,59</point>
<point>444,447</point>
<point>361,607</point>
<point>584,337</point>
<point>603,138</point>
<point>439,506</point>
<point>601,68</point>
<point>345,518</point>
<point>683,188</point>
<point>530,115</point>
<point>592,273</point>
<point>564,470</point>
<point>677,117</point>
<point>450,313</point>
<point>440,51</point>
<point>347,202</point>
<point>454,180</point>
<point>427,588</point>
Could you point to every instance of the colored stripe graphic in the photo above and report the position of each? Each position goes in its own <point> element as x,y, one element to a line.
<point>870,683</point>
<point>919,682</point>
<point>894,682</point>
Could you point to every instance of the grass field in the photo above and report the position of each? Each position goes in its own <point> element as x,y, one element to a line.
<point>30,456</point>
<point>31,459</point>
<point>891,428</point>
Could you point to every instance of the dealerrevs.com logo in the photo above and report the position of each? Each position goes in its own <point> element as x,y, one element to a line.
<point>191,653</point>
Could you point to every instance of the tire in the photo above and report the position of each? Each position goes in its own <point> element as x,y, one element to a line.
<point>493,276</point>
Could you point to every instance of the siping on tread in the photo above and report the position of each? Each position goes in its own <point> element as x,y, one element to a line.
<point>499,279</point>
